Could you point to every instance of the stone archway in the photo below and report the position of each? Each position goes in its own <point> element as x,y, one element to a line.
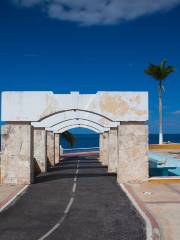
<point>72,122</point>
<point>71,126</point>
<point>35,119</point>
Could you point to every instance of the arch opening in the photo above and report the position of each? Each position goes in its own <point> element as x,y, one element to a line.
<point>86,140</point>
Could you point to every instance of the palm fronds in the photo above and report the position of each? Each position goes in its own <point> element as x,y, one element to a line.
<point>159,72</point>
<point>69,137</point>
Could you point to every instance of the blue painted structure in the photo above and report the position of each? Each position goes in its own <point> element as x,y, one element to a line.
<point>163,165</point>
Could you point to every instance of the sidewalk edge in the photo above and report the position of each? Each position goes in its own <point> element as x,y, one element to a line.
<point>11,198</point>
<point>152,228</point>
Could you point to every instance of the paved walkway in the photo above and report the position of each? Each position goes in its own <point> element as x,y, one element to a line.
<point>7,192</point>
<point>75,201</point>
<point>163,202</point>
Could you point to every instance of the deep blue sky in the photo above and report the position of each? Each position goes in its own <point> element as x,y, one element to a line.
<point>41,53</point>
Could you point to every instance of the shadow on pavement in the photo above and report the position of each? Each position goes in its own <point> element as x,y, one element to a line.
<point>57,172</point>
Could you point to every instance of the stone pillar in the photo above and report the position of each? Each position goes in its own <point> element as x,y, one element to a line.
<point>100,147</point>
<point>61,151</point>
<point>17,153</point>
<point>113,150</point>
<point>57,147</point>
<point>50,149</point>
<point>40,145</point>
<point>104,148</point>
<point>133,152</point>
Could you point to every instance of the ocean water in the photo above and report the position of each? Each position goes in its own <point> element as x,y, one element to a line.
<point>83,141</point>
<point>92,140</point>
<point>154,138</point>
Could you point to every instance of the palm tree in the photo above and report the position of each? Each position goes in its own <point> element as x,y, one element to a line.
<point>160,73</point>
<point>69,137</point>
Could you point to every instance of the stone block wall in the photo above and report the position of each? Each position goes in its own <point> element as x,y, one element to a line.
<point>50,149</point>
<point>100,147</point>
<point>113,150</point>
<point>57,147</point>
<point>40,149</point>
<point>133,152</point>
<point>17,154</point>
<point>104,148</point>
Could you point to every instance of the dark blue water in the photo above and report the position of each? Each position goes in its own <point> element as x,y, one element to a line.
<point>83,141</point>
<point>154,138</point>
<point>92,140</point>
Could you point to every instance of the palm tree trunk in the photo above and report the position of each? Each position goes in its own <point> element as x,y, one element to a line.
<point>160,113</point>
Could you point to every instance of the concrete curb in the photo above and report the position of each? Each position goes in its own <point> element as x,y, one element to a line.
<point>12,197</point>
<point>152,227</point>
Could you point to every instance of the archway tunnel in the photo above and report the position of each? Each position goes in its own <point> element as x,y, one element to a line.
<point>74,144</point>
<point>119,119</point>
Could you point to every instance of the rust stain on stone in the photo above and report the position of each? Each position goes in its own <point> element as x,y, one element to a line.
<point>139,112</point>
<point>113,104</point>
<point>136,99</point>
<point>117,106</point>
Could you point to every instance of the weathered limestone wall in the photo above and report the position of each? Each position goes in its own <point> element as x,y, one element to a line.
<point>50,149</point>
<point>40,150</point>
<point>100,147</point>
<point>133,152</point>
<point>61,151</point>
<point>17,154</point>
<point>116,106</point>
<point>104,149</point>
<point>100,112</point>
<point>113,150</point>
<point>57,147</point>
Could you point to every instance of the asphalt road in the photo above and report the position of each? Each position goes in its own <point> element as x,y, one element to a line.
<point>77,200</point>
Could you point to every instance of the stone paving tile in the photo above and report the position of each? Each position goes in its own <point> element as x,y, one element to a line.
<point>163,202</point>
<point>156,192</point>
<point>168,217</point>
<point>8,190</point>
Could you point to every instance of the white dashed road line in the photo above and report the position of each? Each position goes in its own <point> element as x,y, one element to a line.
<point>74,187</point>
<point>67,209</point>
<point>69,205</point>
